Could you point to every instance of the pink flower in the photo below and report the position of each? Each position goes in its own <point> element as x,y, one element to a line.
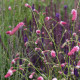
<point>63,64</point>
<point>75,49</point>
<point>35,11</point>
<point>79,43</point>
<point>9,8</point>
<point>47,18</point>
<point>27,5</point>
<point>53,54</point>
<point>32,73</point>
<point>25,44</point>
<point>45,61</point>
<point>54,79</point>
<point>24,59</point>
<point>10,72</point>
<point>62,23</point>
<point>21,68</point>
<point>38,31</point>
<point>74,34</point>
<point>45,51</point>
<point>78,65</point>
<point>25,29</point>
<point>74,14</point>
<point>51,43</point>
<point>31,76</point>
<point>42,32</point>
<point>44,13</point>
<point>29,64</point>
<point>15,29</point>
<point>60,72</point>
<point>37,49</point>
<point>37,41</point>
<point>40,78</point>
<point>17,54</point>
<point>72,72</point>
<point>14,60</point>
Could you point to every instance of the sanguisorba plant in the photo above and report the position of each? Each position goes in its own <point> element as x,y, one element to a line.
<point>38,42</point>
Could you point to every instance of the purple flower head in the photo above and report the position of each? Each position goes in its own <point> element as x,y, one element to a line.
<point>25,38</point>
<point>42,36</point>
<point>76,72</point>
<point>66,71</point>
<point>65,6</point>
<point>24,75</point>
<point>33,7</point>
<point>57,15</point>
<point>20,62</point>
<point>30,27</point>
<point>46,54</point>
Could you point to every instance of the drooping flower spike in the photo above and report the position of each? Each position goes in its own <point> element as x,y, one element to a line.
<point>63,64</point>
<point>44,13</point>
<point>25,29</point>
<point>60,72</point>
<point>35,11</point>
<point>62,23</point>
<point>74,14</point>
<point>14,60</point>
<point>36,42</point>
<point>31,75</point>
<point>53,54</point>
<point>40,78</point>
<point>15,29</point>
<point>10,72</point>
<point>78,65</point>
<point>47,18</point>
<point>37,49</point>
<point>17,55</point>
<point>20,67</point>
<point>75,49</point>
<point>27,5</point>
<point>46,51</point>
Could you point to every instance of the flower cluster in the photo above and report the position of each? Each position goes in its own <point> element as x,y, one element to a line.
<point>21,24</point>
<point>72,52</point>
<point>48,48</point>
